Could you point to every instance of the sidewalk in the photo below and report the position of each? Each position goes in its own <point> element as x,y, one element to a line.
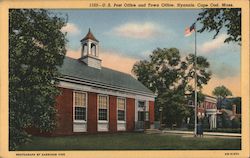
<point>204,133</point>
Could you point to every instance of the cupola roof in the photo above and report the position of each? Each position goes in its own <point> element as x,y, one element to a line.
<point>89,35</point>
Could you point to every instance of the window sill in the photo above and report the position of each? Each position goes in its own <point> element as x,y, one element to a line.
<point>121,121</point>
<point>103,121</point>
<point>80,121</point>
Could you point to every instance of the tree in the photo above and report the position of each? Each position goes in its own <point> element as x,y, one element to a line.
<point>36,49</point>
<point>174,107</point>
<point>221,92</point>
<point>169,76</point>
<point>219,18</point>
<point>203,73</point>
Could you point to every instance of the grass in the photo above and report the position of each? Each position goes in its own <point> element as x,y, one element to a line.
<point>130,141</point>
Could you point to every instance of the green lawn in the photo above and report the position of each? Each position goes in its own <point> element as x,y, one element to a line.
<point>128,141</point>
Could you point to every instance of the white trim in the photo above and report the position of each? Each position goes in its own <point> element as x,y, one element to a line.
<point>83,122</point>
<point>102,121</point>
<point>117,93</point>
<point>121,121</point>
<point>106,86</point>
<point>79,121</point>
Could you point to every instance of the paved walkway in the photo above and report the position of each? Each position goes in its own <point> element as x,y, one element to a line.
<point>204,133</point>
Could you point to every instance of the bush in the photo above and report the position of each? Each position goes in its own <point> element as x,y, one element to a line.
<point>236,123</point>
<point>205,123</point>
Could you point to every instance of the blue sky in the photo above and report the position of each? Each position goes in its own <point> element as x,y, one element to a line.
<point>133,34</point>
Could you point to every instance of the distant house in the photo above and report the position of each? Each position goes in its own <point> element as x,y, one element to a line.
<point>98,99</point>
<point>231,107</point>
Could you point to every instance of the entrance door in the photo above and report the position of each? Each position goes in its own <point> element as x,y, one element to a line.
<point>142,112</point>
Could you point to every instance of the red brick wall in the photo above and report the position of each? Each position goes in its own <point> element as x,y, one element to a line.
<point>112,113</point>
<point>92,113</point>
<point>151,112</point>
<point>64,105</point>
<point>130,114</point>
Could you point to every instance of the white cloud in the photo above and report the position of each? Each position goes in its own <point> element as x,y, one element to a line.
<point>71,28</point>
<point>210,46</point>
<point>138,30</point>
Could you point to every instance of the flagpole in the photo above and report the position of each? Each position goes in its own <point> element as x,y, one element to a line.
<point>195,84</point>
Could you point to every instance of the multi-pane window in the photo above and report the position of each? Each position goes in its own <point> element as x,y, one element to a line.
<point>141,104</point>
<point>121,109</point>
<point>80,106</point>
<point>103,108</point>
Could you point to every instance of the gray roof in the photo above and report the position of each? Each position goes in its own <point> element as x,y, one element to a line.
<point>77,69</point>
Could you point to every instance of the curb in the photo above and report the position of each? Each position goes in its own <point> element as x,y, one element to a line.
<point>205,133</point>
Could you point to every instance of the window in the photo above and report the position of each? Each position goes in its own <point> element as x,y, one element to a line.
<point>80,106</point>
<point>103,107</point>
<point>141,104</point>
<point>121,109</point>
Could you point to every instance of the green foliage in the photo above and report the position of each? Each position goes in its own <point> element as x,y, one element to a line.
<point>221,92</point>
<point>36,48</point>
<point>226,122</point>
<point>236,123</point>
<point>161,71</point>
<point>222,18</point>
<point>205,122</point>
<point>170,78</point>
<point>203,73</point>
<point>174,107</point>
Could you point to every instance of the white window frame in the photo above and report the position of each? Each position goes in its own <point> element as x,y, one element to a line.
<point>80,121</point>
<point>125,112</point>
<point>146,104</point>
<point>102,121</point>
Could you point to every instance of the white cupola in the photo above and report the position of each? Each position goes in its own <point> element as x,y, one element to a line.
<point>90,51</point>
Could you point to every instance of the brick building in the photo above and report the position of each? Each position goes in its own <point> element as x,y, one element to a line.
<point>208,108</point>
<point>98,99</point>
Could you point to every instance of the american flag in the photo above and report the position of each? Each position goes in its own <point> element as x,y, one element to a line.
<point>189,30</point>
